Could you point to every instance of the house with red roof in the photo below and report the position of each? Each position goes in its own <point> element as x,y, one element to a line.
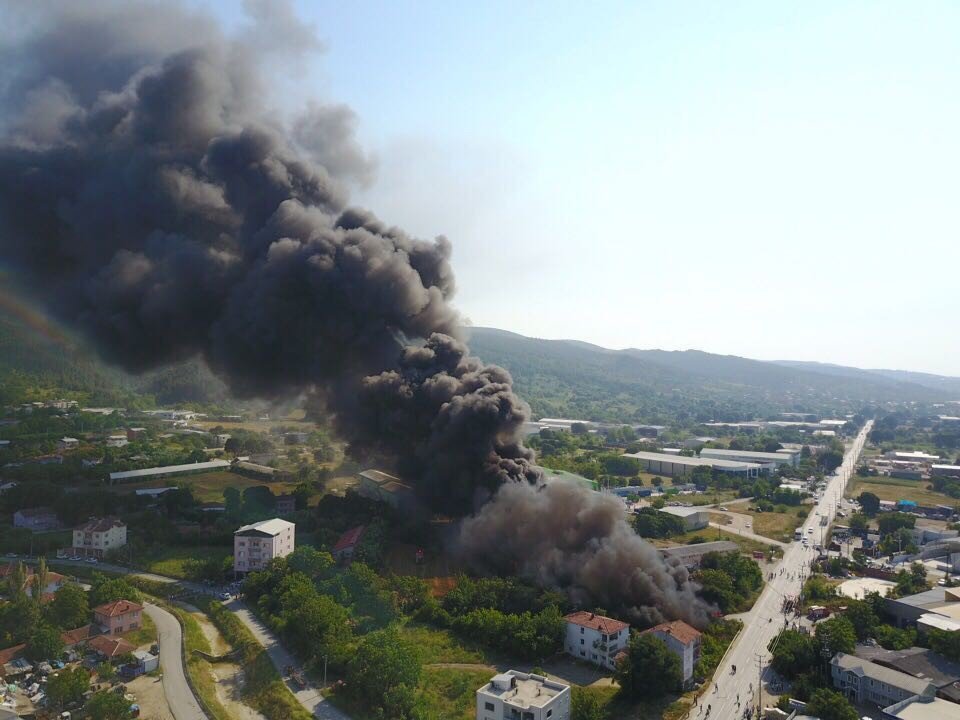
<point>118,616</point>
<point>347,544</point>
<point>110,648</point>
<point>682,640</point>
<point>72,638</point>
<point>595,638</point>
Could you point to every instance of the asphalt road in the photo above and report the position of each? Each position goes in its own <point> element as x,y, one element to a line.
<point>735,692</point>
<point>183,704</point>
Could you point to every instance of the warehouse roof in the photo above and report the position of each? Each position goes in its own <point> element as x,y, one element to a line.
<point>753,455</point>
<point>170,469</point>
<point>692,461</point>
<point>685,552</point>
<point>682,511</point>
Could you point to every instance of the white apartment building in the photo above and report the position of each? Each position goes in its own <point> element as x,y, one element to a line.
<point>683,641</point>
<point>99,536</point>
<point>116,440</point>
<point>595,638</point>
<point>257,544</point>
<point>515,695</point>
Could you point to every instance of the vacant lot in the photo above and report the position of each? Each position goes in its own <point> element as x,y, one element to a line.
<point>777,525</point>
<point>440,646</point>
<point>894,489</point>
<point>181,561</point>
<point>208,487</point>
<point>709,535</point>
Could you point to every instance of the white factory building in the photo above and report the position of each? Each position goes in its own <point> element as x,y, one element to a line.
<point>677,465</point>
<point>769,460</point>
<point>524,696</point>
<point>693,518</point>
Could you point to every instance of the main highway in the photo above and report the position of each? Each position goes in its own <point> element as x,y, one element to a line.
<point>732,692</point>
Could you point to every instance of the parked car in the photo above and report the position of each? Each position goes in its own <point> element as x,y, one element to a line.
<point>91,560</point>
<point>224,596</point>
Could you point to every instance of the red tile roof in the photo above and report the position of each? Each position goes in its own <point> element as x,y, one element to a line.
<point>100,525</point>
<point>117,607</point>
<point>77,635</point>
<point>11,653</point>
<point>678,629</point>
<point>349,538</point>
<point>111,647</point>
<point>606,625</point>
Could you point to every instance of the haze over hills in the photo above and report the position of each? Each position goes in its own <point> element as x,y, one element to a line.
<point>574,378</point>
<point>557,378</point>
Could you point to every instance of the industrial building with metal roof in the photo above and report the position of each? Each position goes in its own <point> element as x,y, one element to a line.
<point>673,465</point>
<point>167,470</point>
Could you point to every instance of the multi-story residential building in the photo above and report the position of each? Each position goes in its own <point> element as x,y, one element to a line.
<point>285,504</point>
<point>683,641</point>
<point>595,638</point>
<point>256,545</point>
<point>118,617</point>
<point>515,695</point>
<point>38,518</point>
<point>863,681</point>
<point>99,536</point>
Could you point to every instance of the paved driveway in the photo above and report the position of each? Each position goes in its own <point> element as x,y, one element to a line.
<point>183,704</point>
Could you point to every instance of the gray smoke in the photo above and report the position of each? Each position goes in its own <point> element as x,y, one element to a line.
<point>563,535</point>
<point>151,198</point>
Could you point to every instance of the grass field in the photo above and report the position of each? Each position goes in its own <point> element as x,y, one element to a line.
<point>776,525</point>
<point>183,561</point>
<point>440,646</point>
<point>709,535</point>
<point>208,487</point>
<point>894,489</point>
<point>710,498</point>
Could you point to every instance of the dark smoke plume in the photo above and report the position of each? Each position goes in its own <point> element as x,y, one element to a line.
<point>151,199</point>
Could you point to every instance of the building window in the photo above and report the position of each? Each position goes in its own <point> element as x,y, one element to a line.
<point>549,713</point>
<point>581,641</point>
<point>488,706</point>
<point>581,631</point>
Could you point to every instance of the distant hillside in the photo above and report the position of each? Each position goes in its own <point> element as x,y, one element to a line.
<point>576,379</point>
<point>950,386</point>
<point>37,366</point>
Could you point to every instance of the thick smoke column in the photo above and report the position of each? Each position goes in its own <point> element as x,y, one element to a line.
<point>151,200</point>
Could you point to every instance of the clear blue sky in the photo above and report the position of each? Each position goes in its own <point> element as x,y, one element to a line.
<point>767,179</point>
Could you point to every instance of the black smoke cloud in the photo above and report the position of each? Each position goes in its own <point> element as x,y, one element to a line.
<point>151,199</point>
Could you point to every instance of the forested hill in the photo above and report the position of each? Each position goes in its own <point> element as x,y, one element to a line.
<point>33,366</point>
<point>949,386</point>
<point>568,378</point>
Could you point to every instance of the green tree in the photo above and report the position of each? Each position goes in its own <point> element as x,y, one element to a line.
<point>648,670</point>
<point>585,705</point>
<point>68,685</point>
<point>45,643</point>
<point>861,615</point>
<point>891,522</point>
<point>792,652</point>
<point>858,522</point>
<point>232,501</point>
<point>105,705</point>
<point>69,608</point>
<point>836,635</point>
<point>104,590</point>
<point>41,579</point>
<point>829,705</point>
<point>309,561</point>
<point>383,665</point>
<point>869,503</point>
